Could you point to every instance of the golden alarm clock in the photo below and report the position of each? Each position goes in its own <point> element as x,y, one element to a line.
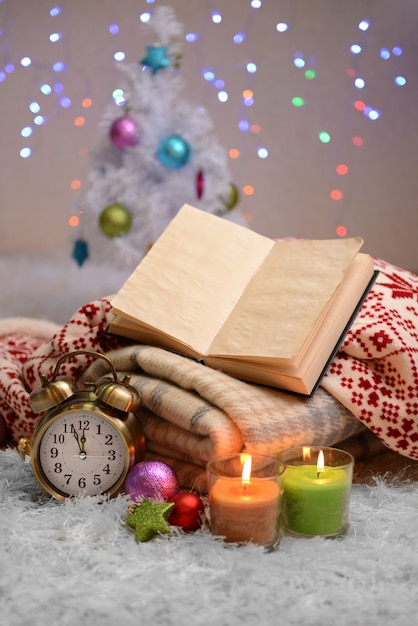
<point>87,439</point>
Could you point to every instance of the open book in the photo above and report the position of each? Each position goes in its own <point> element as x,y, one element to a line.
<point>265,311</point>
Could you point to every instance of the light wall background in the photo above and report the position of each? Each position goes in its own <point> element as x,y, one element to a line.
<point>292,185</point>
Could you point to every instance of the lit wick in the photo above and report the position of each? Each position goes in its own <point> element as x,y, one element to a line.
<point>320,464</point>
<point>246,473</point>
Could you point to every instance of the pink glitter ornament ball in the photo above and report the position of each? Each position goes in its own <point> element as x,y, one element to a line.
<point>124,132</point>
<point>151,479</point>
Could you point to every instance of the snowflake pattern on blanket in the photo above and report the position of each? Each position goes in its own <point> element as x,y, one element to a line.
<point>375,373</point>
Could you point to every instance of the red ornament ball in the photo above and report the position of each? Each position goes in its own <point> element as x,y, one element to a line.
<point>187,512</point>
<point>123,132</point>
<point>153,480</point>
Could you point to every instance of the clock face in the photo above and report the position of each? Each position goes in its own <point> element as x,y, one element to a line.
<point>82,452</point>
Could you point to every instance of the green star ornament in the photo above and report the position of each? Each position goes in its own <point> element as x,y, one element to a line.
<point>156,58</point>
<point>150,518</point>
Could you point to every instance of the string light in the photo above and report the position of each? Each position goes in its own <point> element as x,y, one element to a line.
<point>324,137</point>
<point>298,60</point>
<point>359,105</point>
<point>58,66</point>
<point>118,97</point>
<point>281,27</point>
<point>297,101</point>
<point>239,38</point>
<point>342,169</point>
<point>65,102</point>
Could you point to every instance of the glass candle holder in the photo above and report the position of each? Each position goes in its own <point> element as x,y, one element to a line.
<point>245,494</point>
<point>316,490</point>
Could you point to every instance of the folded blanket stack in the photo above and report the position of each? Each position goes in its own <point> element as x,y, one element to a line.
<point>191,413</point>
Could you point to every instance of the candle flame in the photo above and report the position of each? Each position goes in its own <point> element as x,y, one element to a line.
<point>320,464</point>
<point>306,453</point>
<point>246,470</point>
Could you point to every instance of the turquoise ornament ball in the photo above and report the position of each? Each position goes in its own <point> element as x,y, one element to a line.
<point>173,152</point>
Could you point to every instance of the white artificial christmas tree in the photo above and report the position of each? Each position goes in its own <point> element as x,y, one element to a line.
<point>157,152</point>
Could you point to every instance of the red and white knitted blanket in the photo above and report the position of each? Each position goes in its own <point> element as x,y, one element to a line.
<point>191,413</point>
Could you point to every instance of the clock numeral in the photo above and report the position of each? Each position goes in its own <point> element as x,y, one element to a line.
<point>109,440</point>
<point>82,483</point>
<point>58,468</point>
<point>80,425</point>
<point>68,477</point>
<point>54,453</point>
<point>96,479</point>
<point>112,455</point>
<point>58,438</point>
<point>106,469</point>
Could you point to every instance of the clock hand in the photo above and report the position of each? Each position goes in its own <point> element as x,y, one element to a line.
<point>82,441</point>
<point>77,438</point>
<point>84,455</point>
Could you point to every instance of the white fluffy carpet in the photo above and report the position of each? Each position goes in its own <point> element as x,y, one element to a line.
<point>78,563</point>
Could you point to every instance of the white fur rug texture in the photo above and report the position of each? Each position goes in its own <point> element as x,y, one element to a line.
<point>78,563</point>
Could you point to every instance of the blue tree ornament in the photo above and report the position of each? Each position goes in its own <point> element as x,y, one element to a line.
<point>156,58</point>
<point>80,251</point>
<point>173,152</point>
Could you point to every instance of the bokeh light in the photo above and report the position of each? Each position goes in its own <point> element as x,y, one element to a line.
<point>297,101</point>
<point>342,169</point>
<point>341,230</point>
<point>324,137</point>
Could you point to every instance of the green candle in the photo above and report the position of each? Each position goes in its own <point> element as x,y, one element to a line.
<point>316,502</point>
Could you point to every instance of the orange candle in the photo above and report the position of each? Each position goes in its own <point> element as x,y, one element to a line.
<point>244,508</point>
